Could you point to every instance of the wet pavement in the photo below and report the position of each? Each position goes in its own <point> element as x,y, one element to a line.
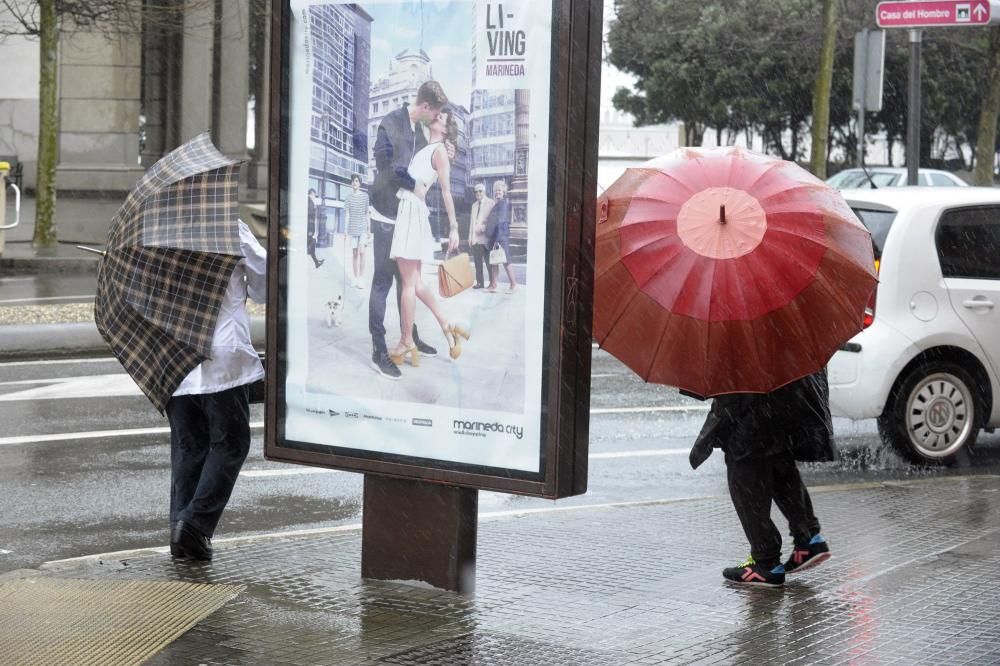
<point>911,581</point>
<point>47,289</point>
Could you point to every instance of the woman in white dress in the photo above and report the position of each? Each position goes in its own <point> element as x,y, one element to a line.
<point>413,240</point>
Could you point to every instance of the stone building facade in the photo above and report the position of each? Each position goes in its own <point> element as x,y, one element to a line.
<point>340,47</point>
<point>128,98</point>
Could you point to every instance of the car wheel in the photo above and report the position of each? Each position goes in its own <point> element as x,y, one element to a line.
<point>932,414</point>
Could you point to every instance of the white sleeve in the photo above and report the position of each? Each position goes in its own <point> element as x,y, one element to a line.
<point>256,265</point>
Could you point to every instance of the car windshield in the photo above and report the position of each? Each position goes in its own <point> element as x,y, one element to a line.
<point>878,223</point>
<point>856,179</point>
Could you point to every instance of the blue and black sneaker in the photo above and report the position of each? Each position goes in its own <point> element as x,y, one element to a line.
<point>751,573</point>
<point>806,556</point>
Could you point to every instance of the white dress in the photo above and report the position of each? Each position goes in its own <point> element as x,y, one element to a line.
<point>413,238</point>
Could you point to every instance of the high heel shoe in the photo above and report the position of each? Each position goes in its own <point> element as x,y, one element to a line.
<point>400,353</point>
<point>454,333</point>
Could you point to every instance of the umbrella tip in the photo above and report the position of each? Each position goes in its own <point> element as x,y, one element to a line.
<point>722,214</point>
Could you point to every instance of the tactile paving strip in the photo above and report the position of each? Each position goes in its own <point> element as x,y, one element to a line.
<point>101,622</point>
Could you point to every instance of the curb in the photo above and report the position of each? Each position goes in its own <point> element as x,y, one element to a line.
<point>19,265</point>
<point>36,341</point>
<point>82,339</point>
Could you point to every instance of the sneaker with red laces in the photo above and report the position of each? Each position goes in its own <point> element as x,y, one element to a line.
<point>751,573</point>
<point>808,555</point>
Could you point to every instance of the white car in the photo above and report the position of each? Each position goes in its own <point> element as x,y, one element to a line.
<point>927,363</point>
<point>891,177</point>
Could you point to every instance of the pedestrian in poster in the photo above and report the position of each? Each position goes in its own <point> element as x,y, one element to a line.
<point>413,239</point>
<point>762,435</point>
<point>358,228</point>
<point>311,229</point>
<point>498,238</point>
<point>477,234</point>
<point>209,414</point>
<point>400,135</point>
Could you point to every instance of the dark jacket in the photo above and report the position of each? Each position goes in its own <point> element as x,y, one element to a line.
<point>498,223</point>
<point>395,146</point>
<point>794,419</point>
<point>311,218</point>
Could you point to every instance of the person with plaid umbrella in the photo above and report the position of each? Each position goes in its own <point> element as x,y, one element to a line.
<point>171,304</point>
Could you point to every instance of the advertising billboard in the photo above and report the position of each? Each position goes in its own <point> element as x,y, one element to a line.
<point>431,247</point>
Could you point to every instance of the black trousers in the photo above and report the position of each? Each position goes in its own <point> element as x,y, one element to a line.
<point>385,271</point>
<point>209,440</point>
<point>481,259</point>
<point>753,483</point>
<point>311,246</point>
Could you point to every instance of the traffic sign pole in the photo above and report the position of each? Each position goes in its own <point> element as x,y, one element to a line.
<point>861,63</point>
<point>869,65</point>
<point>913,119</point>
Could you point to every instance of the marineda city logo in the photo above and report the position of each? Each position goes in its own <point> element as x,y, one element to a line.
<point>480,428</point>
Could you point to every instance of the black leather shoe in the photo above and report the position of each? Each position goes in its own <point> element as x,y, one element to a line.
<point>187,543</point>
<point>424,348</point>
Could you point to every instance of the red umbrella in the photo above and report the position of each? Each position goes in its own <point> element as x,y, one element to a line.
<point>723,271</point>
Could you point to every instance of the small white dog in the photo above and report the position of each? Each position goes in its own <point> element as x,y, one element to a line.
<point>335,312</point>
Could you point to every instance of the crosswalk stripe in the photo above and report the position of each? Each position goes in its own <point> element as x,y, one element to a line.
<point>92,434</point>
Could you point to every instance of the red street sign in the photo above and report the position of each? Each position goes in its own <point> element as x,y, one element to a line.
<point>936,13</point>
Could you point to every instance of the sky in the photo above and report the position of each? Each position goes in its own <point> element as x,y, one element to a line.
<point>447,39</point>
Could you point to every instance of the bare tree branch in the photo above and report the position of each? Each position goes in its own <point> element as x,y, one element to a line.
<point>24,15</point>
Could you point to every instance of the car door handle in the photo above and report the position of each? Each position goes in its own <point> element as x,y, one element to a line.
<point>973,303</point>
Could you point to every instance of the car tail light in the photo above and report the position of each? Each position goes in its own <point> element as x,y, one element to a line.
<point>870,308</point>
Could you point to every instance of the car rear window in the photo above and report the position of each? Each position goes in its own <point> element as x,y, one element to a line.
<point>850,180</point>
<point>878,223</point>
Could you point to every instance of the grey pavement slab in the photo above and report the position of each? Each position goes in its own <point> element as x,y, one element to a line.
<point>79,220</point>
<point>913,580</point>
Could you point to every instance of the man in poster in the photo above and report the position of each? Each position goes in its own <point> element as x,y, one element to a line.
<point>311,229</point>
<point>400,136</point>
<point>477,235</point>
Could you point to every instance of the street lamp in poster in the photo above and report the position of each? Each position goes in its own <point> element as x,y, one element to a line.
<point>417,132</point>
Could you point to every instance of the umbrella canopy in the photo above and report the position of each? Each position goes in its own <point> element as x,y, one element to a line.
<point>171,250</point>
<point>722,271</point>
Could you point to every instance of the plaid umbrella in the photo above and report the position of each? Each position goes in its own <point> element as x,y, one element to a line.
<point>171,250</point>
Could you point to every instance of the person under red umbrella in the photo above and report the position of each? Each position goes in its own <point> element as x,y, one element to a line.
<point>762,435</point>
<point>736,276</point>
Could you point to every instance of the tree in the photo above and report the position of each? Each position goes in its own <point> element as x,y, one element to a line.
<point>48,20</point>
<point>986,139</point>
<point>668,87</point>
<point>718,64</point>
<point>45,19</point>
<point>821,91</point>
<point>743,66</point>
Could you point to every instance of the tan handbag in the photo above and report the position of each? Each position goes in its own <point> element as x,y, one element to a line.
<point>454,275</point>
